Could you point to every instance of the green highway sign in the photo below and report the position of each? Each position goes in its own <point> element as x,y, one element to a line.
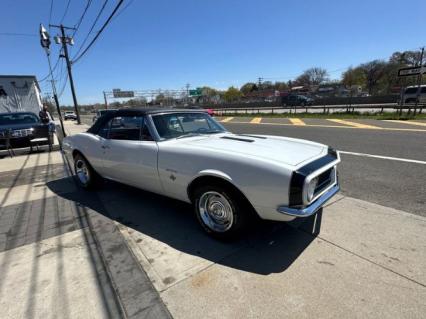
<point>196,92</point>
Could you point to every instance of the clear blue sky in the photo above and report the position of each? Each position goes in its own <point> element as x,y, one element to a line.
<point>166,44</point>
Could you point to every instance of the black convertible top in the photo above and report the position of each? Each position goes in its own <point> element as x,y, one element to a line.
<point>134,112</point>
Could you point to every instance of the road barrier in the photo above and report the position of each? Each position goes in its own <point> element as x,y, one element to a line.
<point>325,109</point>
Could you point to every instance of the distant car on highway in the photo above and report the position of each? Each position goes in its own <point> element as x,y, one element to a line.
<point>194,107</point>
<point>21,128</point>
<point>70,115</point>
<point>187,155</point>
<point>411,92</point>
<point>296,100</point>
<point>100,113</point>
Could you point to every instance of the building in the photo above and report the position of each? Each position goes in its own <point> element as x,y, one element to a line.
<point>19,93</point>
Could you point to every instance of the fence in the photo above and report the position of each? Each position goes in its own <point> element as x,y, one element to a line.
<point>325,109</point>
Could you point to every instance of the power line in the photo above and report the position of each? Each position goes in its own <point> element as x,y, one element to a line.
<point>77,26</point>
<point>91,29</point>
<point>124,8</point>
<point>53,69</point>
<point>66,11</point>
<point>50,13</point>
<point>100,31</point>
<point>63,87</point>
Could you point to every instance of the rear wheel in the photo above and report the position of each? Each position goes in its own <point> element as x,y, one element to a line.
<point>221,211</point>
<point>85,174</point>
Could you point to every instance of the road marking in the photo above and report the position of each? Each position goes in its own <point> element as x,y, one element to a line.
<point>296,121</point>
<point>385,157</point>
<point>256,120</point>
<point>225,120</point>
<point>407,122</point>
<point>338,126</point>
<point>358,125</point>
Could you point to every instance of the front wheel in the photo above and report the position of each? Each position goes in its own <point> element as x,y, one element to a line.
<point>221,211</point>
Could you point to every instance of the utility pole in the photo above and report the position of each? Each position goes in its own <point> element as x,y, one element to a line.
<point>45,43</point>
<point>106,101</point>
<point>64,40</point>
<point>419,82</point>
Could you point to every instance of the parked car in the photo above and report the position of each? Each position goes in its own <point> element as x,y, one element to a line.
<point>70,115</point>
<point>21,128</point>
<point>296,100</point>
<point>411,92</point>
<point>100,113</point>
<point>187,155</point>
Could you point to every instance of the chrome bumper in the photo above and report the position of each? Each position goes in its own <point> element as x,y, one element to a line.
<point>312,208</point>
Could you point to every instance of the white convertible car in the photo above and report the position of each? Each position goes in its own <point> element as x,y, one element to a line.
<point>187,155</point>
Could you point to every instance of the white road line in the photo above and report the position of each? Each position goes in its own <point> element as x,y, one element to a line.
<point>385,157</point>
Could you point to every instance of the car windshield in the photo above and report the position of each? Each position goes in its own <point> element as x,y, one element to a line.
<point>18,118</point>
<point>176,125</point>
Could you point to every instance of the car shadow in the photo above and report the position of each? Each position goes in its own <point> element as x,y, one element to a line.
<point>269,247</point>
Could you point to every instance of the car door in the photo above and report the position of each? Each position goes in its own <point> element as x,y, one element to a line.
<point>130,153</point>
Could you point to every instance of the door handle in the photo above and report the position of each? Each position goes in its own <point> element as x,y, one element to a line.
<point>105,147</point>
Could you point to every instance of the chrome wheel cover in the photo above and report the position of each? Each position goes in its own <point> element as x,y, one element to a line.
<point>82,172</point>
<point>215,211</point>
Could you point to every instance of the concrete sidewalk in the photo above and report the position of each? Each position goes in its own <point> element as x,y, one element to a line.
<point>50,266</point>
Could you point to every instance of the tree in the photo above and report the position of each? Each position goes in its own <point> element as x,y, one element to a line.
<point>354,76</point>
<point>248,88</point>
<point>313,76</point>
<point>208,91</point>
<point>373,72</point>
<point>281,86</point>
<point>232,94</point>
<point>406,58</point>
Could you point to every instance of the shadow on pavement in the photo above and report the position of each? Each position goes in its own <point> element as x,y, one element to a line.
<point>269,248</point>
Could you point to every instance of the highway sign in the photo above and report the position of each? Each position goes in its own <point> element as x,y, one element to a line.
<point>117,93</point>
<point>414,70</point>
<point>196,92</point>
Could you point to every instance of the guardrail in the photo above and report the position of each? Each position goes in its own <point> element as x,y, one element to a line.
<point>325,109</point>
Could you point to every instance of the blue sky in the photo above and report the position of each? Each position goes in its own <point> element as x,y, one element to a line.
<point>166,44</point>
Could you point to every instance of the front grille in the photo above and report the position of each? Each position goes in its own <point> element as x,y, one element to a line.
<point>21,133</point>
<point>324,180</point>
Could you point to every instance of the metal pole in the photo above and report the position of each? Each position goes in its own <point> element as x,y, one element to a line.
<point>55,96</point>
<point>106,101</point>
<point>419,81</point>
<point>74,97</point>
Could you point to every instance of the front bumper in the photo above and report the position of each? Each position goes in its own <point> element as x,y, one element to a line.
<point>313,207</point>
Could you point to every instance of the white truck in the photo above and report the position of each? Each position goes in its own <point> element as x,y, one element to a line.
<point>19,93</point>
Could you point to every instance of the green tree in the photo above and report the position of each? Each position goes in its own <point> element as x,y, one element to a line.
<point>354,76</point>
<point>248,88</point>
<point>232,94</point>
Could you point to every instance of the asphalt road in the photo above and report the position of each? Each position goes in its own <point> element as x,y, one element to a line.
<point>386,182</point>
<point>390,183</point>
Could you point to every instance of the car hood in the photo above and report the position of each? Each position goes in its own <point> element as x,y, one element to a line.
<point>278,149</point>
<point>19,126</point>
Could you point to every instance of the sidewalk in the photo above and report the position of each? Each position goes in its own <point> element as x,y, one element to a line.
<point>49,264</point>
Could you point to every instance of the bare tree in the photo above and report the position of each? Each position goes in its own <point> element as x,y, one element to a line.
<point>313,76</point>
<point>373,71</point>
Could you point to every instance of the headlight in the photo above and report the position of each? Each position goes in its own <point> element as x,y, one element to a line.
<point>311,188</point>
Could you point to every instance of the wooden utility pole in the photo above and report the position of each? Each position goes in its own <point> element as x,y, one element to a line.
<point>64,40</point>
